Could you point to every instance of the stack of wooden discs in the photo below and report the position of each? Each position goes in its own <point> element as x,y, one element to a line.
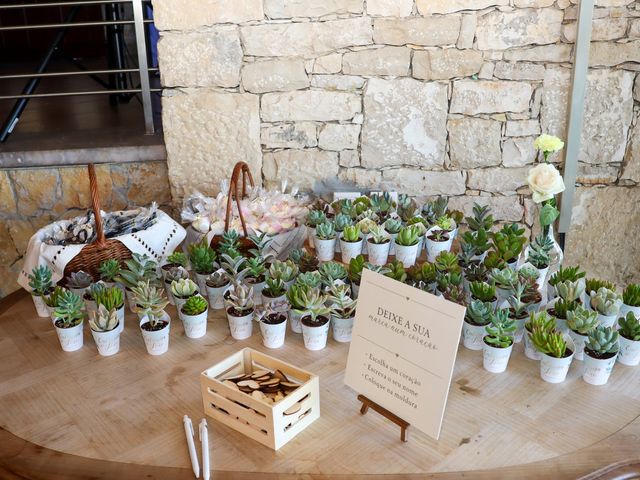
<point>264,385</point>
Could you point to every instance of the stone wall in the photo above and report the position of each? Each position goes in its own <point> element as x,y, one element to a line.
<point>425,96</point>
<point>33,198</point>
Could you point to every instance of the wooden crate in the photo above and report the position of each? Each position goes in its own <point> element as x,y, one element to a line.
<point>264,423</point>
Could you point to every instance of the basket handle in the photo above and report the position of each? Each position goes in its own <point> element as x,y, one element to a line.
<point>95,202</point>
<point>241,167</point>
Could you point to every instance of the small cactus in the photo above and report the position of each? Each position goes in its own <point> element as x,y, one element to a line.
<point>103,319</point>
<point>40,280</point>
<point>602,341</point>
<point>195,305</point>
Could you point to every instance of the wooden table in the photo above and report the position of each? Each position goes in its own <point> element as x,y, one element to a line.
<point>74,415</point>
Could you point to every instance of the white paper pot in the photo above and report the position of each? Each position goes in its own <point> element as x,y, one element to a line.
<point>156,342</point>
<point>257,291</point>
<point>607,320</point>
<point>392,243</point>
<point>108,343</point>
<point>629,353</point>
<point>530,351</point>
<point>542,276</point>
<point>120,314</point>
<point>624,309</point>
<point>355,290</point>
<point>596,370</point>
<point>294,321</point>
<point>341,329</point>
<point>365,237</point>
<point>215,294</point>
<point>502,294</point>
<point>273,335</point>
<point>378,253</point>
<point>241,327</point>
<point>167,289</point>
<point>407,255</point>
<point>434,248</point>
<point>554,370</point>
<point>195,326</point>
<point>336,247</point>
<point>315,338</point>
<point>71,339</point>
<point>350,250</point>
<point>578,341</point>
<point>311,233</point>
<point>79,291</point>
<point>51,311</point>
<point>519,333</point>
<point>472,336</point>
<point>325,249</point>
<point>561,325</point>
<point>266,299</point>
<point>41,307</point>
<point>495,359</point>
<point>201,280</point>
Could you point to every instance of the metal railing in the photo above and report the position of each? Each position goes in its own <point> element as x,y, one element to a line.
<point>122,88</point>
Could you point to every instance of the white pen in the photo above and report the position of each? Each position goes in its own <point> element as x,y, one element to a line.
<point>204,439</point>
<point>188,430</point>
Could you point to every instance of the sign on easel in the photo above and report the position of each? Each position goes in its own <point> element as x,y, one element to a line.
<point>403,350</point>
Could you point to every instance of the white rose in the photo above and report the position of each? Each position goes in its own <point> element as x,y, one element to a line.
<point>545,182</point>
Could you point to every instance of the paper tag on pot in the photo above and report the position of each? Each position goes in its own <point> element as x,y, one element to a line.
<point>403,350</point>
<point>346,195</point>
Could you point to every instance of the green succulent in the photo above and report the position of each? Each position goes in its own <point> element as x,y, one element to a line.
<point>325,231</point>
<point>447,262</point>
<point>217,279</point>
<point>382,204</point>
<point>550,342</point>
<point>528,274</point>
<point>296,293</point>
<point>150,301</point>
<point>315,218</point>
<point>202,257</point>
<point>79,279</point>
<point>255,267</point>
<point>476,272</point>
<point>508,242</point>
<point>396,271</point>
<point>418,223</point>
<point>195,305</point>
<point>478,239</point>
<point>308,263</point>
<point>446,223</point>
<point>178,258</point>
<point>501,329</point>
<point>109,270</point>
<point>103,319</point>
<point>393,225</point>
<point>504,278</point>
<point>332,271</point>
<point>53,298</point>
<point>582,320</point>
<point>422,272</point>
<point>540,321</point>
<point>175,273</point>
<point>111,298</point>
<point>539,252</point>
<point>69,312</point>
<point>455,294</point>
<point>341,221</point>
<point>445,280</point>
<point>479,313</point>
<point>378,235</point>
<point>312,303</point>
<point>94,290</point>
<point>381,269</point>
<point>262,241</point>
<point>407,207</point>
<point>351,233</point>
<point>407,236</point>
<point>606,302</point>
<point>236,267</point>
<point>309,279</point>
<point>240,297</point>
<point>602,341</point>
<point>481,219</point>
<point>40,280</point>
<point>296,255</point>
<point>493,261</point>
<point>432,210</point>
<point>483,291</point>
<point>563,274</point>
<point>562,306</point>
<point>286,271</point>
<point>629,327</point>
<point>274,287</point>
<point>340,301</point>
<point>139,268</point>
<point>631,295</point>
<point>354,271</point>
<point>518,307</point>
<point>229,244</point>
<point>569,290</point>
<point>595,284</point>
<point>183,288</point>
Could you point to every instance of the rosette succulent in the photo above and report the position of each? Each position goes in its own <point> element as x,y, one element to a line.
<point>40,280</point>
<point>602,342</point>
<point>581,320</point>
<point>606,302</point>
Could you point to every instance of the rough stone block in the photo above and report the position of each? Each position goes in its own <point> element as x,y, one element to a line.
<point>7,199</point>
<point>429,31</point>
<point>191,14</point>
<point>392,61</point>
<point>428,7</point>
<point>498,180</point>
<point>631,167</point>
<point>522,128</point>
<point>35,189</point>
<point>349,158</point>
<point>311,170</point>
<point>289,135</point>
<point>468,25</point>
<point>445,64</point>
<point>474,142</point>
<point>601,29</point>
<point>334,136</point>
<point>544,53</point>
<point>310,8</point>
<point>360,178</point>
<point>424,183</point>
<point>471,97</point>
<point>502,30</point>
<point>275,76</point>
<point>390,8</point>
<point>519,71</point>
<point>309,105</point>
<point>331,63</point>
<point>348,83</point>
<point>608,54</point>
<point>518,152</point>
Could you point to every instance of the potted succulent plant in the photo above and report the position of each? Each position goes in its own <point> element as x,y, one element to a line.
<point>90,294</point>
<point>437,241</point>
<point>392,226</point>
<point>365,225</point>
<point>217,284</point>
<point>518,311</point>
<point>607,304</point>
<point>52,299</point>
<point>527,275</point>
<point>422,227</point>
<point>170,275</point>
<point>314,319</point>
<point>314,218</point>
<point>539,255</point>
<point>340,222</point>
<point>476,318</point>
<point>139,268</point>
<point>343,311</point>
<point>155,323</point>
<point>422,275</point>
<point>109,271</point>
<point>540,321</point>
<point>295,296</point>
<point>559,311</point>
<point>629,340</point>
<point>484,292</point>
<point>407,245</point>
<point>307,263</point>
<point>351,243</point>
<point>182,289</point>
<point>202,258</point>
<point>286,271</point>
<point>382,204</point>
<point>378,245</point>
<point>478,240</point>
<point>194,316</point>
<point>354,273</point>
<point>111,298</point>
<point>580,322</point>
<point>508,243</point>
<point>240,308</point>
<point>273,323</point>
<point>79,282</point>
<point>556,353</point>
<point>69,320</point>
<point>275,290</point>
<point>600,352</point>
<point>505,280</point>
<point>176,259</point>
<point>255,276</point>
<point>631,300</point>
<point>593,285</point>
<point>41,286</point>
<point>478,273</point>
<point>325,241</point>
<point>564,274</point>
<point>105,329</point>
<point>498,342</point>
<point>311,279</point>
<point>330,272</point>
<point>481,219</point>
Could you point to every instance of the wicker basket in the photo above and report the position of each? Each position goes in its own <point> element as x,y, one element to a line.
<point>93,254</point>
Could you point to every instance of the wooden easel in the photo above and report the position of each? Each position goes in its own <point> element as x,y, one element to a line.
<point>366,403</point>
